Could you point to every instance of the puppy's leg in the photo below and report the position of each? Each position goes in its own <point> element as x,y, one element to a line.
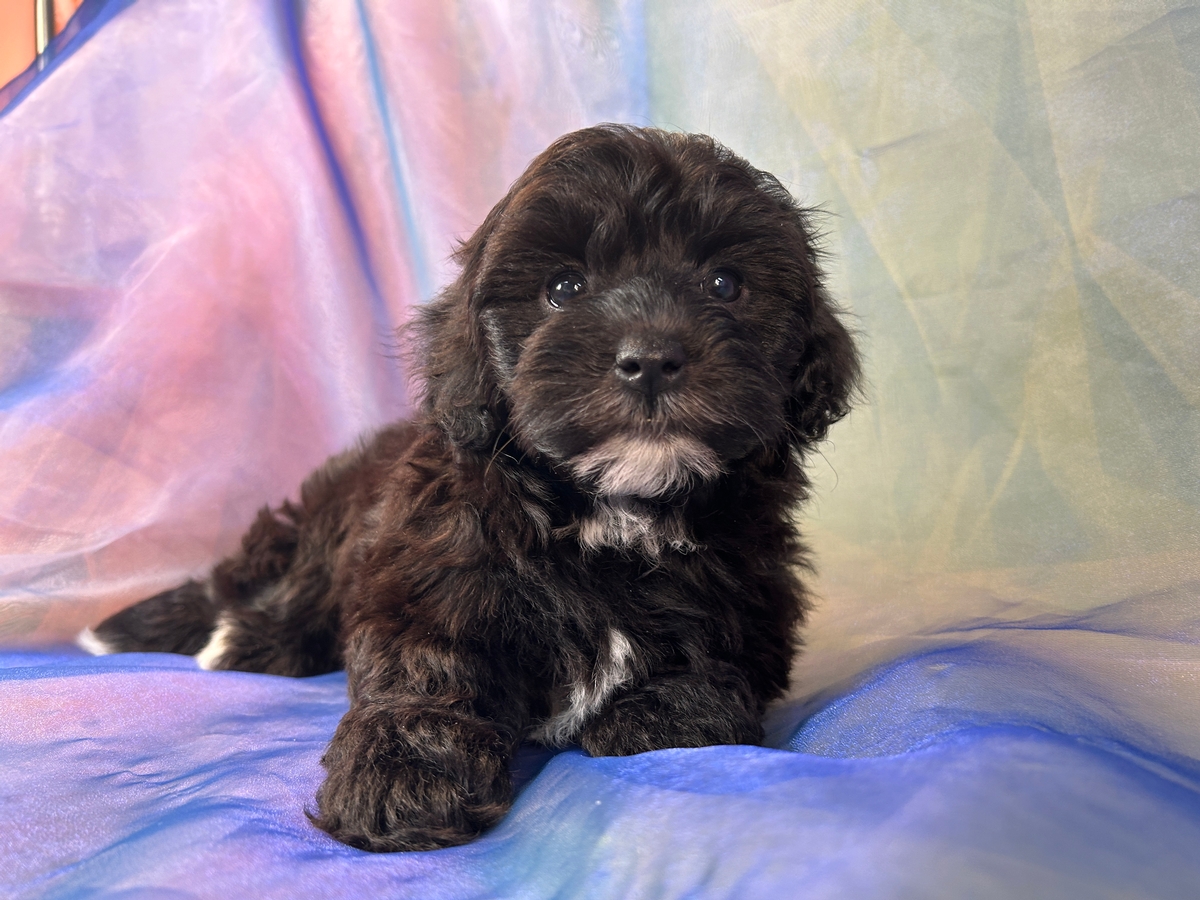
<point>176,621</point>
<point>267,608</point>
<point>421,760</point>
<point>290,629</point>
<point>696,708</point>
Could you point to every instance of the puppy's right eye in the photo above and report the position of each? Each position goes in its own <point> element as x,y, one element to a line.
<point>563,287</point>
<point>724,285</point>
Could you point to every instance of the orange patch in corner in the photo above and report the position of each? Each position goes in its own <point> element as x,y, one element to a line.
<point>17,48</point>
<point>16,38</point>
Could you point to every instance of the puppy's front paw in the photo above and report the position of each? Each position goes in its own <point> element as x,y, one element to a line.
<point>674,712</point>
<point>412,780</point>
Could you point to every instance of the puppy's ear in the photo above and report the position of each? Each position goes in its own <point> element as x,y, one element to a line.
<point>460,392</point>
<point>459,387</point>
<point>826,378</point>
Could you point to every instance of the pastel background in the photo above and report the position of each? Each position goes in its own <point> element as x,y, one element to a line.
<point>214,214</point>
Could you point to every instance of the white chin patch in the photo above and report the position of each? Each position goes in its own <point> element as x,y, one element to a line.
<point>88,641</point>
<point>629,466</point>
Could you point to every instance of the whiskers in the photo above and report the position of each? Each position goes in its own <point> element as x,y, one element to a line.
<point>497,449</point>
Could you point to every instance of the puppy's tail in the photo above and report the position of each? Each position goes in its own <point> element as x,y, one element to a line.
<point>176,621</point>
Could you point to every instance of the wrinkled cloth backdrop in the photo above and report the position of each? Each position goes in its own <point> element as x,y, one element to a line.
<point>213,217</point>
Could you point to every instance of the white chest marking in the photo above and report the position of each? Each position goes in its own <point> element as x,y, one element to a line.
<point>619,523</point>
<point>585,698</point>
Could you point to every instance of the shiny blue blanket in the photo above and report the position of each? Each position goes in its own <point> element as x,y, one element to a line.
<point>971,770</point>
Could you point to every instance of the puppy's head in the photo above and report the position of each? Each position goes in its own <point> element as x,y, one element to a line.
<point>643,311</point>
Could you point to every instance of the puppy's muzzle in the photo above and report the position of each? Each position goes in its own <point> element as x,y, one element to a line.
<point>650,364</point>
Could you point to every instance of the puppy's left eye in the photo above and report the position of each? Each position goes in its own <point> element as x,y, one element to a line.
<point>724,285</point>
<point>563,287</point>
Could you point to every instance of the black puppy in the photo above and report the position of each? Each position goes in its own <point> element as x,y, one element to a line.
<point>587,534</point>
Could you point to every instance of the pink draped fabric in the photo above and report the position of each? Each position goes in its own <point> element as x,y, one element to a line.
<point>215,217</point>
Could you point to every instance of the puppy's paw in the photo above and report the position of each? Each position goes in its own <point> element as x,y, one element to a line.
<point>412,780</point>
<point>672,712</point>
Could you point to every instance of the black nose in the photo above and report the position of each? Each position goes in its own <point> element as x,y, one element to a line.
<point>650,365</point>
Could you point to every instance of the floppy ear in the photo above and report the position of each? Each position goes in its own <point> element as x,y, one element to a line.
<point>460,392</point>
<point>826,377</point>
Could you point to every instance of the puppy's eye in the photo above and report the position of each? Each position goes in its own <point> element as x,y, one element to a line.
<point>563,287</point>
<point>724,285</point>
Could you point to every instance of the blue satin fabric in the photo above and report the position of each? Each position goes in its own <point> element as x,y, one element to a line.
<point>970,770</point>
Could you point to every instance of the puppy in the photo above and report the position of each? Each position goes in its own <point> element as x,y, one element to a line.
<point>586,535</point>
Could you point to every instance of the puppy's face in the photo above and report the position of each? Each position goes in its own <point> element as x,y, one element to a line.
<point>646,306</point>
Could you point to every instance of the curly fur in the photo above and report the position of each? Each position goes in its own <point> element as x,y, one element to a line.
<point>575,541</point>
